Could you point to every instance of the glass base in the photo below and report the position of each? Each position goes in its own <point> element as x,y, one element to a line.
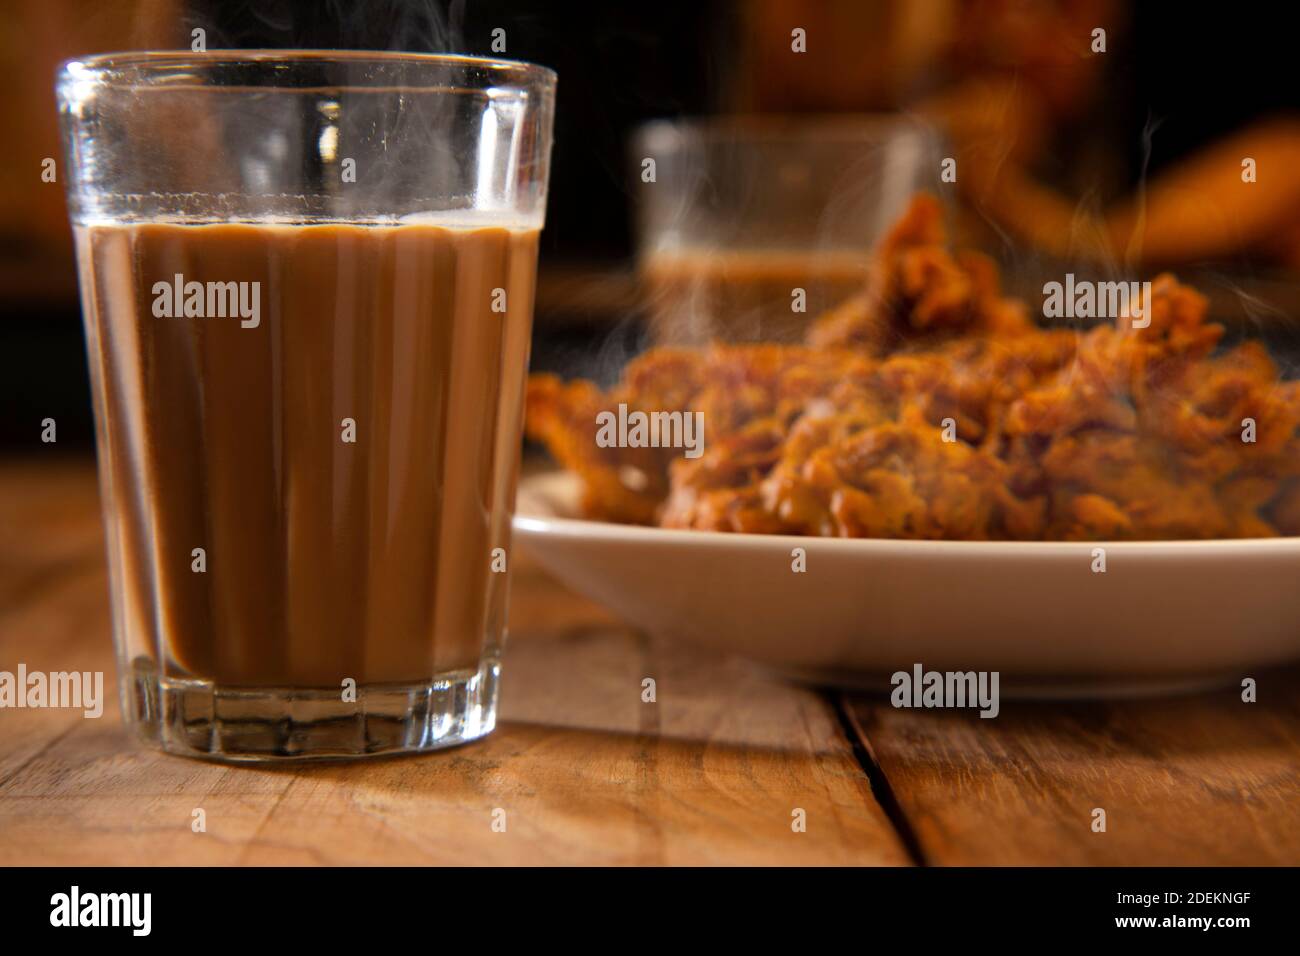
<point>197,718</point>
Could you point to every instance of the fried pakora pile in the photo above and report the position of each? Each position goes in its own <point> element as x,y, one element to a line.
<point>930,406</point>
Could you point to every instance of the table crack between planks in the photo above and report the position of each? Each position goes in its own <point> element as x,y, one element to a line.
<point>879,782</point>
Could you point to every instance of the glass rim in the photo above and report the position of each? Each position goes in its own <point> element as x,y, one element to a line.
<point>106,67</point>
<point>828,127</point>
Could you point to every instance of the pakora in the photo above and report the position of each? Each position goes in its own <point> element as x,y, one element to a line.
<point>931,406</point>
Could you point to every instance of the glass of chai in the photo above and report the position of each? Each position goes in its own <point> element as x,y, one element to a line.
<point>752,226</point>
<point>307,281</point>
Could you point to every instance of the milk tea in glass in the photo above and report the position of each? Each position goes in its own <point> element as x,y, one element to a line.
<point>307,282</point>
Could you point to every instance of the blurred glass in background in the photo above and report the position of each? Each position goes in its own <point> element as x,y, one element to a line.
<point>752,226</point>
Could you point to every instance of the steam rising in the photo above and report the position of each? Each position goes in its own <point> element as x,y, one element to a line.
<point>392,25</point>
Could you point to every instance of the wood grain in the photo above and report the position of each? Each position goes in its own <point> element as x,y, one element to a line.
<point>1194,780</point>
<point>586,772</point>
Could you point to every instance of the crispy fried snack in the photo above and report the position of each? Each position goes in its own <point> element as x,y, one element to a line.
<point>929,406</point>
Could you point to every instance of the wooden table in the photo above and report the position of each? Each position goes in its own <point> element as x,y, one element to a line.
<point>713,772</point>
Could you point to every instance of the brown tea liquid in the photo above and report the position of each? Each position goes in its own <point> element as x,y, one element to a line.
<point>695,296</point>
<point>323,558</point>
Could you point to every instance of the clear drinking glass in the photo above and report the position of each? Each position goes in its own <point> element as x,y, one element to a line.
<point>307,281</point>
<point>743,211</point>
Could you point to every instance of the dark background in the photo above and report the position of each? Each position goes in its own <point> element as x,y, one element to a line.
<point>1194,73</point>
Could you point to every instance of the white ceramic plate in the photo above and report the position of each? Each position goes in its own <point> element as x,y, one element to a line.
<point>1164,615</point>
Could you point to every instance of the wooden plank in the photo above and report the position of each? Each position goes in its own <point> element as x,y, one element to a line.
<point>52,591</point>
<point>586,772</point>
<point>49,524</point>
<point>1203,779</point>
